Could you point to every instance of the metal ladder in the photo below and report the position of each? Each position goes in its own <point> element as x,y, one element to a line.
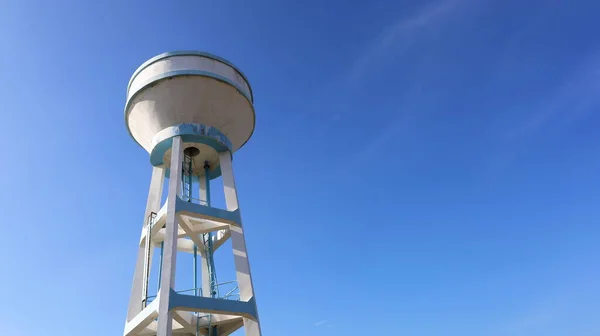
<point>186,185</point>
<point>147,254</point>
<point>207,239</point>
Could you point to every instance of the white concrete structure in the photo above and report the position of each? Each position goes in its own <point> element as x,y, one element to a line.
<point>191,111</point>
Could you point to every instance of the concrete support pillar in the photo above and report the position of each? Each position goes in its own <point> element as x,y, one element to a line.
<point>231,198</point>
<point>165,319</point>
<point>240,253</point>
<point>152,205</point>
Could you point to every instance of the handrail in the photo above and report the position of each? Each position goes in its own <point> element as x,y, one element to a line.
<point>199,289</point>
<point>227,282</point>
<point>231,293</point>
<point>194,200</point>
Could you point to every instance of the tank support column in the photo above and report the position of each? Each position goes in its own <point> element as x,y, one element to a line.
<point>165,318</point>
<point>240,254</point>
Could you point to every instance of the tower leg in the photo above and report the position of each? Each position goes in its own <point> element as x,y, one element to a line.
<point>152,205</point>
<point>240,253</point>
<point>167,281</point>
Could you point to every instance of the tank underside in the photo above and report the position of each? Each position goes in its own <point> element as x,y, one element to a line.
<point>190,99</point>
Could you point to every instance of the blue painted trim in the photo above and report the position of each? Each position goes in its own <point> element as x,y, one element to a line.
<point>187,53</point>
<point>221,141</point>
<point>213,306</point>
<point>155,79</point>
<point>231,217</point>
<point>195,133</point>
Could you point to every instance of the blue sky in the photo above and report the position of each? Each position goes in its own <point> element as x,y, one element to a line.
<point>418,167</point>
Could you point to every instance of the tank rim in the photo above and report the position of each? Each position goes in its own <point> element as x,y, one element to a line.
<point>188,53</point>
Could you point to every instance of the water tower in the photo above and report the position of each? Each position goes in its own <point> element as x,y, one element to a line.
<point>191,111</point>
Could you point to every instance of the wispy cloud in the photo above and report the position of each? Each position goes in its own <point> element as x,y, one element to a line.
<point>386,49</point>
<point>404,29</point>
<point>570,102</point>
<point>320,323</point>
<point>395,39</point>
<point>397,126</point>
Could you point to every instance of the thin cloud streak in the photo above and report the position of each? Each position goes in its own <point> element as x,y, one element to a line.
<point>394,39</point>
<point>573,99</point>
<point>333,95</point>
<point>320,323</point>
<point>403,29</point>
<point>569,103</point>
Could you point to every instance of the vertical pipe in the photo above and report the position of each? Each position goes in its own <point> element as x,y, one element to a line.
<point>209,258</point>
<point>209,240</point>
<point>195,270</point>
<point>206,168</point>
<point>189,177</point>
<point>162,246</point>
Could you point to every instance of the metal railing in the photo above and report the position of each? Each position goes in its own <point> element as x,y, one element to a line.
<point>196,201</point>
<point>232,294</point>
<point>196,291</point>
